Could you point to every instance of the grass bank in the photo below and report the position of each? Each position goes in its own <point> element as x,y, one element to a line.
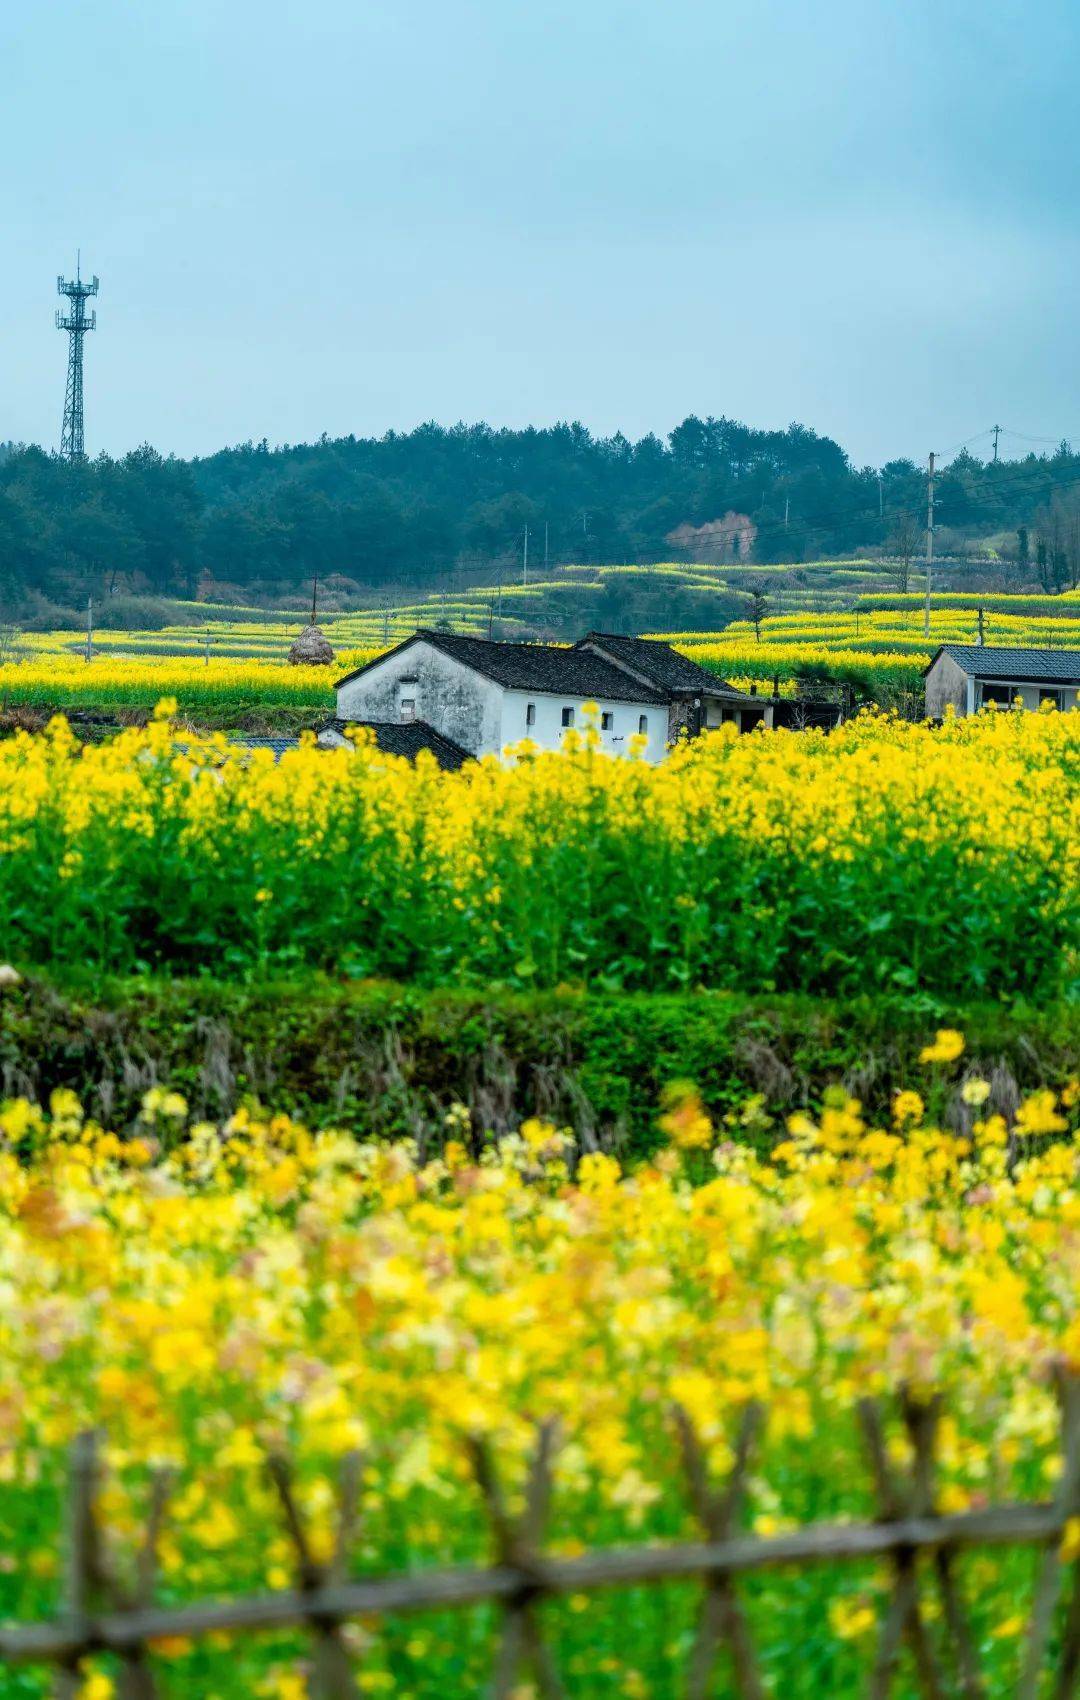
<point>390,1060</point>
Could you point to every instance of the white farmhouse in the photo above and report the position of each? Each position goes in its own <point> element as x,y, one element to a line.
<point>967,676</point>
<point>484,696</point>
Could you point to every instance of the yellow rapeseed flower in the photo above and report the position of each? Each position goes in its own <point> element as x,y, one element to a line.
<point>947,1046</point>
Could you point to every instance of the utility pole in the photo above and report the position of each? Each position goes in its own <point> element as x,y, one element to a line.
<point>314,595</point>
<point>76,321</point>
<point>787,510</point>
<point>525,559</point>
<point>90,628</point>
<point>545,548</point>
<point>997,434</point>
<point>880,497</point>
<point>206,642</point>
<point>929,544</point>
<point>982,629</point>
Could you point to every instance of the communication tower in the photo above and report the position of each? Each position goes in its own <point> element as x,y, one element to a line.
<point>76,321</point>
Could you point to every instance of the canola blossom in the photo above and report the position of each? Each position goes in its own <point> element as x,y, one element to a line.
<point>879,671</point>
<point>883,855</point>
<point>235,687</point>
<point>204,1293</point>
<point>879,646</point>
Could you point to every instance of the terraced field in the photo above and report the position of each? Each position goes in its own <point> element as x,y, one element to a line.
<point>879,645</point>
<point>830,621</point>
<point>548,603</point>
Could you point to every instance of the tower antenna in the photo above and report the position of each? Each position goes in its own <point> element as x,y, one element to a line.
<point>76,321</point>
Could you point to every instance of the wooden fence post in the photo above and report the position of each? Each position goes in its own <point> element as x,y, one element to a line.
<point>1048,1585</point>
<point>921,1421</point>
<point>136,1678</point>
<point>90,1581</point>
<point>331,1676</point>
<point>82,1559</point>
<point>517,1546</point>
<point>721,1617</point>
<point>915,1499</point>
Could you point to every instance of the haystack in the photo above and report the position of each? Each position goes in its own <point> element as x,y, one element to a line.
<point>311,649</point>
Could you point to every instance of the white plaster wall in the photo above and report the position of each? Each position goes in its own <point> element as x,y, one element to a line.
<point>716,710</point>
<point>549,731</point>
<point>458,702</point>
<point>946,683</point>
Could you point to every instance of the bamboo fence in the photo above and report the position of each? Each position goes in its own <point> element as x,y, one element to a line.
<point>102,1614</point>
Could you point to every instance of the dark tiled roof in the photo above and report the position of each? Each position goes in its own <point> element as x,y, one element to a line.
<point>408,739</point>
<point>277,745</point>
<point>660,664</point>
<point>987,661</point>
<point>535,667</point>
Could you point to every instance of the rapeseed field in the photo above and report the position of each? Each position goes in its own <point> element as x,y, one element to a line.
<point>203,1294</point>
<point>885,855</point>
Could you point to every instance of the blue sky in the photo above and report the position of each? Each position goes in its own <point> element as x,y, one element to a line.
<point>351,215</point>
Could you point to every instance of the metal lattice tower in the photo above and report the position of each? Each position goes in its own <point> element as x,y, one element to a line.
<point>76,321</point>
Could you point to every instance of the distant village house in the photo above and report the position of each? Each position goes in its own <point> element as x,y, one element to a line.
<point>729,539</point>
<point>483,696</point>
<point>967,677</point>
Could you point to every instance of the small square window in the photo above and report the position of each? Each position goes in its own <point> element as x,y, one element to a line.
<point>408,709</point>
<point>568,717</point>
<point>530,714</point>
<point>643,725</point>
<point>1050,696</point>
<point>607,720</point>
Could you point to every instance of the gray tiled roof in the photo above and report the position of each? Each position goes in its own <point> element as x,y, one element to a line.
<point>395,738</point>
<point>663,666</point>
<point>277,745</point>
<point>543,667</point>
<point>988,661</point>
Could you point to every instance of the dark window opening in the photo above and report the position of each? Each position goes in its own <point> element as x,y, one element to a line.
<point>607,720</point>
<point>530,714</point>
<point>643,725</point>
<point>568,717</point>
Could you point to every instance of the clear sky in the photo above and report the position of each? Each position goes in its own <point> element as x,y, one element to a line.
<point>351,215</point>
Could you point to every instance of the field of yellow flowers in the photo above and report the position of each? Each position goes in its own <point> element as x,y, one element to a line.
<point>878,643</point>
<point>883,856</point>
<point>205,1293</point>
<point>222,691</point>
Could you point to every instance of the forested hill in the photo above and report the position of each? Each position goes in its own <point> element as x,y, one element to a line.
<point>407,507</point>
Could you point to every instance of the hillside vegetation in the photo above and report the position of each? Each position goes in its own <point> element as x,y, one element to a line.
<point>413,509</point>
